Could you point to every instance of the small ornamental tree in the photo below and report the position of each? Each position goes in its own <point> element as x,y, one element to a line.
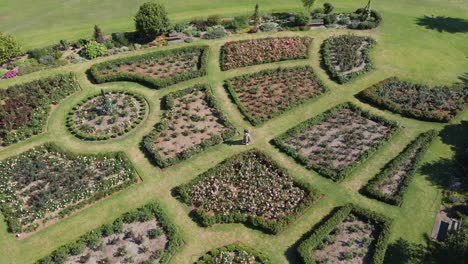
<point>152,20</point>
<point>308,4</point>
<point>9,48</point>
<point>256,16</point>
<point>327,8</point>
<point>98,36</point>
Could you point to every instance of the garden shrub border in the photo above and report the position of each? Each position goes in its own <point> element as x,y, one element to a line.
<point>168,104</point>
<point>223,52</point>
<point>423,141</point>
<point>27,132</point>
<point>236,247</point>
<point>12,222</point>
<point>308,245</point>
<point>149,81</point>
<point>175,240</point>
<point>278,141</point>
<point>81,135</point>
<point>330,69</point>
<point>368,96</point>
<point>268,226</point>
<point>254,121</point>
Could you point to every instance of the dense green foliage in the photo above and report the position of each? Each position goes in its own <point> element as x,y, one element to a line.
<point>9,47</point>
<point>26,106</point>
<point>243,253</point>
<point>152,20</point>
<point>91,239</point>
<point>93,50</point>
<point>406,161</point>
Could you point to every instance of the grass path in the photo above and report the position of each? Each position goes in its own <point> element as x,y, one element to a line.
<point>439,62</point>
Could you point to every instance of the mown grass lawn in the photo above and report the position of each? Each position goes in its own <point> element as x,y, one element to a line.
<point>404,49</point>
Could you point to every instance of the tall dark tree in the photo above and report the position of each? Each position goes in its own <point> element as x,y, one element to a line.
<point>98,36</point>
<point>256,16</point>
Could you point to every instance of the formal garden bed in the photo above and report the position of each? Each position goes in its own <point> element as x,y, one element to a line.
<point>247,188</point>
<point>156,69</point>
<point>350,235</point>
<point>347,56</point>
<point>192,122</point>
<point>24,108</point>
<point>107,115</point>
<point>418,101</point>
<point>235,253</point>
<point>144,235</point>
<point>250,52</point>
<point>47,183</point>
<point>263,95</point>
<point>392,182</point>
<point>334,142</point>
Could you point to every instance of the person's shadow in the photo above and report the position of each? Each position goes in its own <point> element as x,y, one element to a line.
<point>234,142</point>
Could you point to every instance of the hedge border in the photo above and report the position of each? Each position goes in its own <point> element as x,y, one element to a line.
<point>168,103</point>
<point>149,81</point>
<point>223,52</point>
<point>308,245</point>
<point>325,53</point>
<point>75,86</point>
<point>12,222</point>
<point>370,97</point>
<point>254,121</point>
<point>85,136</point>
<point>335,176</point>
<point>268,226</point>
<point>420,145</point>
<point>236,247</point>
<point>175,240</point>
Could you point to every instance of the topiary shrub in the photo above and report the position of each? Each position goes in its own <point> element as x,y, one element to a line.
<point>93,50</point>
<point>301,19</point>
<point>9,48</point>
<point>152,20</point>
<point>327,8</point>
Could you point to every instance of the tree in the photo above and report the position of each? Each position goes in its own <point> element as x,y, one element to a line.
<point>454,249</point>
<point>256,16</point>
<point>98,36</point>
<point>308,4</point>
<point>367,9</point>
<point>152,20</point>
<point>9,48</point>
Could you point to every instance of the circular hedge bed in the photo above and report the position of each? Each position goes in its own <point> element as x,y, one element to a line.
<point>107,115</point>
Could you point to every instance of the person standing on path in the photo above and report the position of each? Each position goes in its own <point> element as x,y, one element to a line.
<point>247,138</point>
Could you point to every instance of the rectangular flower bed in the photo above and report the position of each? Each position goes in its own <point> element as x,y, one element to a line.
<point>192,122</point>
<point>250,52</point>
<point>235,253</point>
<point>336,141</point>
<point>440,104</point>
<point>144,235</point>
<point>24,108</point>
<point>46,183</point>
<point>392,182</point>
<point>263,95</point>
<point>351,234</point>
<point>247,188</point>
<point>157,69</point>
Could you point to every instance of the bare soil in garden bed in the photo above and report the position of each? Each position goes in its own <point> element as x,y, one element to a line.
<point>391,185</point>
<point>351,242</point>
<point>133,245</point>
<point>338,141</point>
<point>265,94</point>
<point>164,67</point>
<point>191,122</point>
<point>356,60</point>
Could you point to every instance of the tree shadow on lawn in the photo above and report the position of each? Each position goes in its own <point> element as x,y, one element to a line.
<point>402,251</point>
<point>443,24</point>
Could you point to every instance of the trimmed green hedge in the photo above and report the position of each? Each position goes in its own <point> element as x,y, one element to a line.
<point>85,136</point>
<point>369,95</point>
<point>336,176</point>
<point>148,212</point>
<point>254,121</point>
<point>330,68</point>
<point>269,226</point>
<point>259,256</point>
<point>420,146</point>
<point>306,248</point>
<point>146,80</point>
<point>168,103</point>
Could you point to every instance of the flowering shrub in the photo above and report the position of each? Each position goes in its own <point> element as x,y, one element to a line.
<point>266,94</point>
<point>347,56</point>
<point>235,253</point>
<point>46,182</point>
<point>248,187</point>
<point>336,141</point>
<point>10,74</point>
<point>26,106</point>
<point>418,101</point>
<point>257,51</point>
